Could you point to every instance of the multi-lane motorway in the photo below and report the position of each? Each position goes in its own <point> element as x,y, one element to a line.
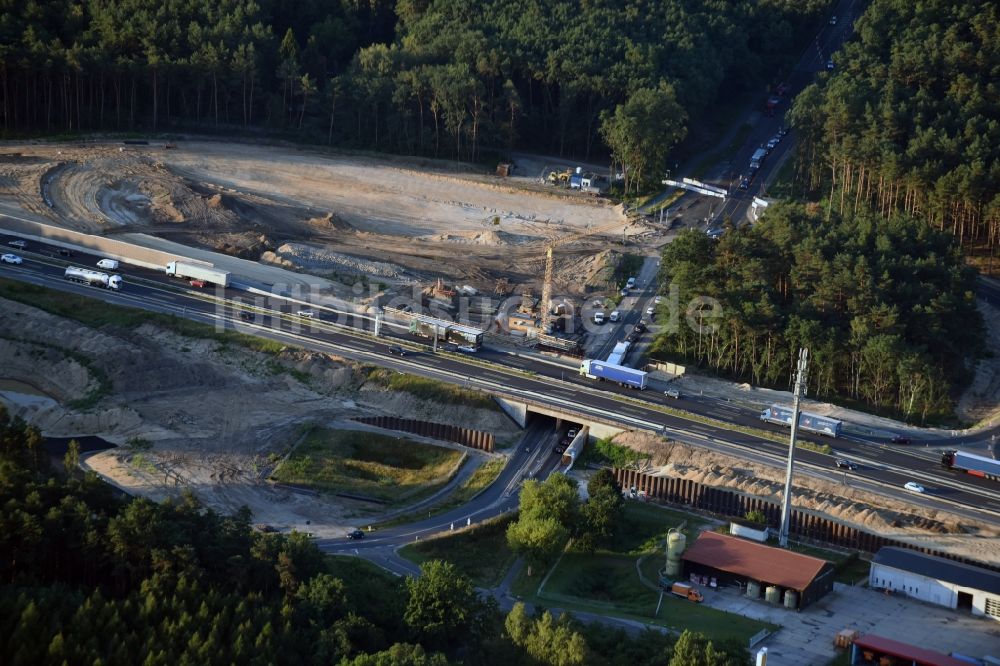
<point>882,466</point>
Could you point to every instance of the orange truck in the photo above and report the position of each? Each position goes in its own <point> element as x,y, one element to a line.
<point>687,591</point>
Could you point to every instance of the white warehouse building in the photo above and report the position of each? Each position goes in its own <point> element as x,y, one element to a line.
<point>937,580</point>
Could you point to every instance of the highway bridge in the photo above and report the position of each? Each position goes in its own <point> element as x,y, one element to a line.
<point>528,386</point>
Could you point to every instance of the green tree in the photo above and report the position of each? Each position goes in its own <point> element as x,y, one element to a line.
<point>539,540</point>
<point>71,461</point>
<point>443,608</point>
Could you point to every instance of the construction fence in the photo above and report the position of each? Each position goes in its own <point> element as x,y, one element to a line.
<point>474,439</point>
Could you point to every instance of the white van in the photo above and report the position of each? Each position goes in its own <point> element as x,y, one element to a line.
<point>615,316</point>
<point>631,283</point>
<point>598,317</point>
<point>108,264</point>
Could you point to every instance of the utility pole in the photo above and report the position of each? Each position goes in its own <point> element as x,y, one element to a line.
<point>800,389</point>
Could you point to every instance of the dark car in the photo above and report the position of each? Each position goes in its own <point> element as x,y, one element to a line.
<point>65,253</point>
<point>641,327</point>
<point>246,316</point>
<point>900,439</point>
<point>744,183</point>
<point>559,449</point>
<point>846,464</point>
<point>396,350</point>
<point>356,534</point>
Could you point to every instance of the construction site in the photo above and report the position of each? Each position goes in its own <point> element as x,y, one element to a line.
<point>405,226</point>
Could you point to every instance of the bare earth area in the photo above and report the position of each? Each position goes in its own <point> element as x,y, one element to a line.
<point>874,513</point>
<point>219,417</point>
<point>395,220</point>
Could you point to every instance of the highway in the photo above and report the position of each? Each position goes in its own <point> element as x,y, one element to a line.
<point>811,63</point>
<point>883,467</point>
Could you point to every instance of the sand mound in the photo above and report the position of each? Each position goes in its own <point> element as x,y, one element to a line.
<point>837,501</point>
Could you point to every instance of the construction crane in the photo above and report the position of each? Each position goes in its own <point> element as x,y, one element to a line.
<point>544,305</point>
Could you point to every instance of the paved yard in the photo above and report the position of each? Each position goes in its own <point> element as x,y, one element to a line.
<point>806,637</point>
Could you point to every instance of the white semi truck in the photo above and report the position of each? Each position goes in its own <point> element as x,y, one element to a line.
<point>198,273</point>
<point>93,278</point>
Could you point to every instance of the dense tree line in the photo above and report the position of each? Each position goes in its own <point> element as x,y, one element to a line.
<point>442,77</point>
<point>88,578</point>
<point>886,307</point>
<point>910,120</point>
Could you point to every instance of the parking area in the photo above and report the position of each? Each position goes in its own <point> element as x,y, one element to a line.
<point>807,636</point>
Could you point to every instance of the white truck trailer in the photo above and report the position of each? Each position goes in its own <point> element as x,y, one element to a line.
<point>198,273</point>
<point>93,278</point>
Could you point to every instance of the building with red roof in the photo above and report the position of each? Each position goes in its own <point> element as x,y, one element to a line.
<point>734,561</point>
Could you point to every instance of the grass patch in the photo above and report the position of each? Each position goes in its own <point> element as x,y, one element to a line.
<point>644,527</point>
<point>605,452</point>
<point>614,584</point>
<point>430,389</point>
<point>85,311</point>
<point>608,582</point>
<point>480,553</point>
<point>385,467</point>
<point>484,475</point>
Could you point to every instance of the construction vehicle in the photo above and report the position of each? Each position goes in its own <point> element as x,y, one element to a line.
<point>559,177</point>
<point>686,591</point>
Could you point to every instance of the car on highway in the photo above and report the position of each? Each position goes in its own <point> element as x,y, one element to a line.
<point>632,337</point>
<point>640,327</point>
<point>658,300</point>
<point>650,311</point>
<point>744,183</point>
<point>573,432</point>
<point>625,292</point>
<point>833,20</point>
<point>914,487</point>
<point>773,142</point>
<point>843,463</point>
<point>308,314</point>
<point>672,393</point>
<point>18,243</point>
<point>246,316</point>
<point>10,259</point>
<point>900,439</point>
<point>396,350</point>
<point>468,349</point>
<point>198,284</point>
<point>829,65</point>
<point>356,534</point>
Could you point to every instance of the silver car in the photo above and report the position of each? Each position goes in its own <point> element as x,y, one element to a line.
<point>10,259</point>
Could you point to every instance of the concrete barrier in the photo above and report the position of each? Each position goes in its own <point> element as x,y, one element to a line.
<point>108,247</point>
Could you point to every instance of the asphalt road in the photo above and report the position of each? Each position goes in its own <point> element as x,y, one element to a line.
<point>882,467</point>
<point>811,63</point>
